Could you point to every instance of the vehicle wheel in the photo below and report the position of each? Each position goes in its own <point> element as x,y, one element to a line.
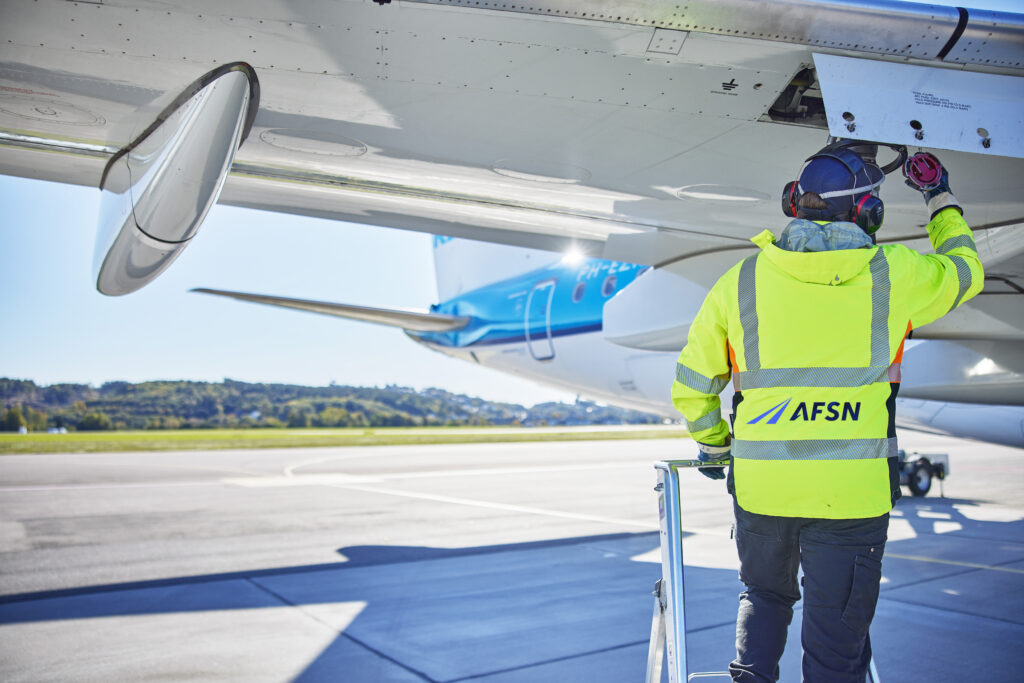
<point>920,479</point>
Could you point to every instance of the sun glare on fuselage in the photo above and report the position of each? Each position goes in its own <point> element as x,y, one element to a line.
<point>573,257</point>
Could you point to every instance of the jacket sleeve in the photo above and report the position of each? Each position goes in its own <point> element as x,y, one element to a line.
<point>703,371</point>
<point>953,274</point>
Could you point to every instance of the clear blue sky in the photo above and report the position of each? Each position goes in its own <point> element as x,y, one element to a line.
<point>58,328</point>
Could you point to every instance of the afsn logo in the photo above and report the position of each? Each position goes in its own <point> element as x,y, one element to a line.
<point>831,411</point>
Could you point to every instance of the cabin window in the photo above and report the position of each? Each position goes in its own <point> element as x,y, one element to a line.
<point>577,292</point>
<point>608,286</point>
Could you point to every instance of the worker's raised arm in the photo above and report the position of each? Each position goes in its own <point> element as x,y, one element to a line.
<point>702,372</point>
<point>953,274</point>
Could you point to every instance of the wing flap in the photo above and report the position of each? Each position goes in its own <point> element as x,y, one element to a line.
<point>413,321</point>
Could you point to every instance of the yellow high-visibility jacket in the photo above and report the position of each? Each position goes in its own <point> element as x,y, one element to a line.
<point>812,342</point>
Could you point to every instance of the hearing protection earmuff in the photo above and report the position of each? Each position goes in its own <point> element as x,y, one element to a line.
<point>868,212</point>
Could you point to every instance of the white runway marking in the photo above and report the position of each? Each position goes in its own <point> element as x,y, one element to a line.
<point>289,478</point>
<point>622,522</point>
<point>290,470</point>
<point>467,472</point>
<point>647,526</point>
<point>326,479</point>
<point>112,485</point>
<point>475,472</point>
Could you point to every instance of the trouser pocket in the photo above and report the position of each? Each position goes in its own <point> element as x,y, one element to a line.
<point>860,606</point>
<point>769,554</point>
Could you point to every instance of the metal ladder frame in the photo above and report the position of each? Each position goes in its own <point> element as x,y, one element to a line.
<point>668,626</point>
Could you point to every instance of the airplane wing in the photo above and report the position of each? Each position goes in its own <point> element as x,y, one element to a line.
<point>415,321</point>
<point>652,134</point>
<point>648,131</point>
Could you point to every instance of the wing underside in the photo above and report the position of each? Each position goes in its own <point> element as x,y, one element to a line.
<point>661,135</point>
<point>542,126</point>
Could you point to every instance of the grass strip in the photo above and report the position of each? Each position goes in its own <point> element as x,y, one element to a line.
<point>217,439</point>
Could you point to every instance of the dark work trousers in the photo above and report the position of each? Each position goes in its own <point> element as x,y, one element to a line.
<point>842,563</point>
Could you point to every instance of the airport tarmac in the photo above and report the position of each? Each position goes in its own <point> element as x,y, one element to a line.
<point>499,563</point>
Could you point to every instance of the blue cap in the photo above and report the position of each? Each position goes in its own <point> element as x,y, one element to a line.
<point>841,178</point>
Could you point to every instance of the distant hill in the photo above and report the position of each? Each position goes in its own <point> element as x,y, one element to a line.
<point>232,404</point>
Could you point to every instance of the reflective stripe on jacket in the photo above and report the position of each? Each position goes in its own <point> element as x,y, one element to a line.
<point>812,343</point>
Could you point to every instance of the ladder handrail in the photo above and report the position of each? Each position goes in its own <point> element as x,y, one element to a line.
<point>669,608</point>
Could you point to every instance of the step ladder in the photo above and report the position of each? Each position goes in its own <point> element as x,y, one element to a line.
<point>668,626</point>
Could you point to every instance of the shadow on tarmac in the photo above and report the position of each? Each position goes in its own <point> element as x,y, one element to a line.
<point>355,556</point>
<point>434,614</point>
<point>580,608</point>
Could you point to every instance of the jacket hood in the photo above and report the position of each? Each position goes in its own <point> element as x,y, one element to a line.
<point>832,257</point>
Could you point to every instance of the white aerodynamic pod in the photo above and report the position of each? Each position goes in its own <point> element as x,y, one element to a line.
<point>654,312</point>
<point>158,189</point>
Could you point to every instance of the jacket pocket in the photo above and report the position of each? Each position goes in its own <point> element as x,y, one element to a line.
<point>860,606</point>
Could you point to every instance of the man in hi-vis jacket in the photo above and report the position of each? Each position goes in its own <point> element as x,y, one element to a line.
<point>810,330</point>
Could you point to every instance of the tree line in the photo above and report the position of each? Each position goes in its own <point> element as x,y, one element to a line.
<point>232,404</point>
